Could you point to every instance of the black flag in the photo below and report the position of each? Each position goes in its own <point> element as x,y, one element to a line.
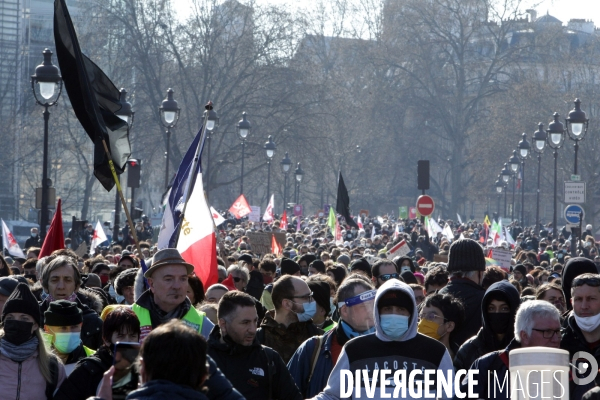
<point>343,202</point>
<point>94,98</point>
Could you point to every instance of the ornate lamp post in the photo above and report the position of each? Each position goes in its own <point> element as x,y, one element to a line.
<point>524,150</point>
<point>270,152</point>
<point>244,128</point>
<point>169,115</point>
<point>539,141</point>
<point>556,138</point>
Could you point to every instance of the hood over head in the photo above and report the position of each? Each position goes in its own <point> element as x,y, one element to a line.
<point>499,290</point>
<point>574,267</point>
<point>399,260</point>
<point>393,285</point>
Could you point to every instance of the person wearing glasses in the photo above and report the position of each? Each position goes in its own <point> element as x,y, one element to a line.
<point>384,270</point>
<point>239,275</point>
<point>498,309</point>
<point>537,324</point>
<point>582,326</point>
<point>312,363</point>
<point>440,315</point>
<point>290,323</point>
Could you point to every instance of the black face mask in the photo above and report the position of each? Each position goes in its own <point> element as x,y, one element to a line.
<point>17,332</point>
<point>500,322</point>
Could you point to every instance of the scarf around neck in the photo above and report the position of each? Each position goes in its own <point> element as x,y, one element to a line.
<point>19,353</point>
<point>72,298</point>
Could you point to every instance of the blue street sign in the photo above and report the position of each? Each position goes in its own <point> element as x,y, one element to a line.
<point>572,213</point>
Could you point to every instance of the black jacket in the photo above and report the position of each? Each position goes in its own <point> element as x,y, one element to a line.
<point>255,371</point>
<point>91,330</point>
<point>471,295</point>
<point>485,341</point>
<point>85,378</point>
<point>32,242</point>
<point>573,341</point>
<point>255,285</point>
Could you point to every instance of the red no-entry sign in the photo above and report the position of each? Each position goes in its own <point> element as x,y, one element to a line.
<point>425,205</point>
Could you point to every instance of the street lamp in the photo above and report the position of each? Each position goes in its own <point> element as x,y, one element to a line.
<point>169,115</point>
<point>556,137</point>
<point>49,82</point>
<point>576,124</point>
<point>243,130</point>
<point>499,186</point>
<point>127,115</point>
<point>524,150</point>
<point>539,141</point>
<point>270,150</point>
<point>513,161</point>
<point>505,175</point>
<point>299,175</point>
<point>212,122</point>
<point>286,164</point>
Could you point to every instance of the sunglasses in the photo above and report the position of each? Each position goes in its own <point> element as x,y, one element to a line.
<point>595,282</point>
<point>387,277</point>
<point>236,279</point>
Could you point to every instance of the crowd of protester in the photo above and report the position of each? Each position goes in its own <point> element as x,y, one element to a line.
<point>283,326</point>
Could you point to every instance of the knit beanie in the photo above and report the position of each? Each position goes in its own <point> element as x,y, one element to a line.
<point>573,268</point>
<point>288,267</point>
<point>22,301</point>
<point>521,268</point>
<point>466,255</point>
<point>320,293</point>
<point>63,313</point>
<point>343,259</point>
<point>124,279</point>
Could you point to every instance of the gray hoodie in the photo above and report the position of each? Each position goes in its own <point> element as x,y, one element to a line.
<point>378,351</point>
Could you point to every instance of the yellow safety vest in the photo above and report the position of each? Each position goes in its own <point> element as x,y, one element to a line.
<point>330,327</point>
<point>193,318</point>
<point>88,351</point>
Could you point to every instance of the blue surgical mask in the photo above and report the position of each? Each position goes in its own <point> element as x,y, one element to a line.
<point>310,309</point>
<point>65,343</point>
<point>394,326</point>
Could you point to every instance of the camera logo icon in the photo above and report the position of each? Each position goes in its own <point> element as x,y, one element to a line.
<point>585,368</point>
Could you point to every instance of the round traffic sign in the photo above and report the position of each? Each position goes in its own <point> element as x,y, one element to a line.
<point>425,205</point>
<point>572,212</point>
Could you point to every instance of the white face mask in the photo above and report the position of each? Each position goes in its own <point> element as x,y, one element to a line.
<point>588,324</point>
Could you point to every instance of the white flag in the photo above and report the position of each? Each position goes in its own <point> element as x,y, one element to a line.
<point>10,243</point>
<point>435,227</point>
<point>447,232</point>
<point>268,216</point>
<point>509,237</point>
<point>461,236</point>
<point>98,238</point>
<point>459,220</point>
<point>218,218</point>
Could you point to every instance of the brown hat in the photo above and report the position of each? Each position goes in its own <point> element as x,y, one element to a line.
<point>166,257</point>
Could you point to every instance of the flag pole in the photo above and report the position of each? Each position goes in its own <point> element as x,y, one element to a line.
<point>188,186</point>
<point>118,184</point>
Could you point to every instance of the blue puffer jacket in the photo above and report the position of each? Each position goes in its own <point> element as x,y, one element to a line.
<point>300,363</point>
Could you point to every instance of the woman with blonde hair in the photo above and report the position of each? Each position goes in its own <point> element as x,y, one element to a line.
<point>27,369</point>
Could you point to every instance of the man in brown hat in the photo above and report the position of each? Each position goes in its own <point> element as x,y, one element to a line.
<point>166,299</point>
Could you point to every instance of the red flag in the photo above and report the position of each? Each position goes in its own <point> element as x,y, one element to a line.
<point>55,238</point>
<point>228,283</point>
<point>284,222</point>
<point>275,247</point>
<point>240,207</point>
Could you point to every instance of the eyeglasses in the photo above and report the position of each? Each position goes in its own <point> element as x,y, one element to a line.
<point>308,297</point>
<point>387,277</point>
<point>548,333</point>
<point>431,316</point>
<point>595,282</point>
<point>236,279</point>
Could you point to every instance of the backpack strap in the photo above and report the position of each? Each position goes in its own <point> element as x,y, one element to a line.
<point>51,386</point>
<point>315,357</point>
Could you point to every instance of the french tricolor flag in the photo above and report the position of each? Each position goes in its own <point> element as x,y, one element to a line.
<point>197,241</point>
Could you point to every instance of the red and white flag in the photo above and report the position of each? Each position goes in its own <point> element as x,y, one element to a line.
<point>218,218</point>
<point>275,247</point>
<point>268,217</point>
<point>197,241</point>
<point>359,222</point>
<point>240,208</point>
<point>98,238</point>
<point>284,222</point>
<point>10,243</point>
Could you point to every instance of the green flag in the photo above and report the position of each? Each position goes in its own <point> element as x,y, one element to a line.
<point>331,220</point>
